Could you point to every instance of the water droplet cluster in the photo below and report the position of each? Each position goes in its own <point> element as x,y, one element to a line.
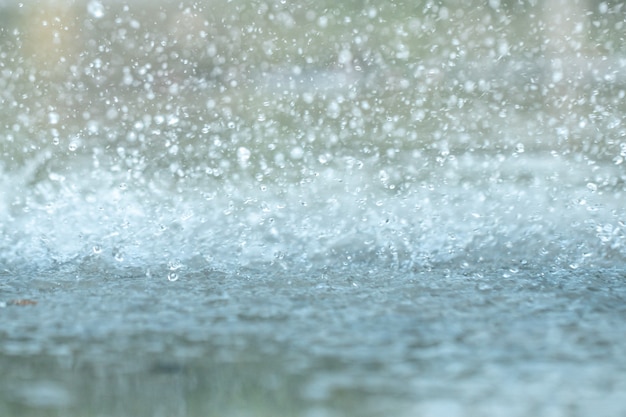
<point>396,133</point>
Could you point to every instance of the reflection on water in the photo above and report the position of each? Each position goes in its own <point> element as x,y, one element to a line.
<point>266,208</point>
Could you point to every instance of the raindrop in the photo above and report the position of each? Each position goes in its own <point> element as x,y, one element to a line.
<point>172,120</point>
<point>243,156</point>
<point>603,7</point>
<point>296,153</point>
<point>344,57</point>
<point>53,118</point>
<point>95,9</point>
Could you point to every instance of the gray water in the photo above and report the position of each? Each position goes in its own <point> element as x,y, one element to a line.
<point>336,341</point>
<point>313,209</point>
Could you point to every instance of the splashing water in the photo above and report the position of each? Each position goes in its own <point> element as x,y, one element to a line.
<point>468,209</point>
<point>338,209</point>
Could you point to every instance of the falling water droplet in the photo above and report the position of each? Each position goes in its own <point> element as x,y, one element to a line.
<point>96,9</point>
<point>53,118</point>
<point>243,156</point>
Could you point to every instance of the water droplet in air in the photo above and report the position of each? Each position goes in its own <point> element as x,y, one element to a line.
<point>243,156</point>
<point>96,9</point>
<point>53,118</point>
<point>297,153</point>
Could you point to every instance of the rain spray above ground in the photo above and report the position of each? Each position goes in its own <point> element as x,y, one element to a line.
<point>175,140</point>
<point>256,132</point>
